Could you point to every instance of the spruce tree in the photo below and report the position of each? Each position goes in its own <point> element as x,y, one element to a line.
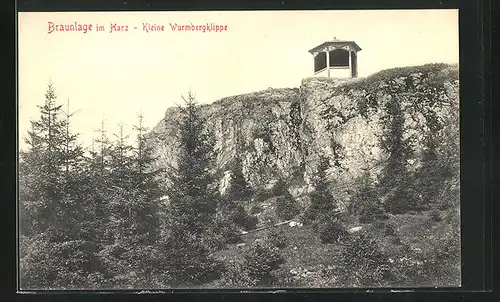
<point>120,201</point>
<point>193,194</point>
<point>286,206</point>
<point>108,189</point>
<point>39,193</point>
<point>40,165</point>
<point>323,203</point>
<point>121,159</point>
<point>57,249</point>
<point>396,180</point>
<point>366,202</point>
<point>239,189</point>
<point>98,183</point>
<point>145,175</point>
<point>430,178</point>
<point>146,190</point>
<point>193,200</point>
<point>72,152</point>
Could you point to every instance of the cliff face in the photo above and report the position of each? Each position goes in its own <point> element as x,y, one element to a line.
<point>282,132</point>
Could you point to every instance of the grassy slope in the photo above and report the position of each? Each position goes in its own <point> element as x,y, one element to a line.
<point>317,264</point>
<point>414,240</point>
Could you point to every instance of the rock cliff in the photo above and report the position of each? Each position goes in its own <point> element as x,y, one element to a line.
<point>280,133</point>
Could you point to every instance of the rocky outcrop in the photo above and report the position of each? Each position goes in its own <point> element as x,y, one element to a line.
<point>280,133</point>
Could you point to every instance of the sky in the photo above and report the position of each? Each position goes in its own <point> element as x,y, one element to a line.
<point>113,76</point>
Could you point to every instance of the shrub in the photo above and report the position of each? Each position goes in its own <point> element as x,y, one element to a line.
<point>441,265</point>
<point>223,231</point>
<point>322,202</point>
<point>283,279</point>
<point>262,195</point>
<point>390,230</point>
<point>277,238</point>
<point>437,266</point>
<point>235,275</point>
<point>366,202</point>
<point>230,234</point>
<point>404,196</point>
<point>320,207</point>
<point>379,224</point>
<point>372,213</point>
<point>279,188</point>
<point>261,260</point>
<point>238,189</point>
<point>450,196</point>
<point>447,256</point>
<point>256,209</point>
<point>297,177</point>
<point>321,220</point>
<point>183,260</point>
<point>242,218</point>
<point>286,208</point>
<point>331,231</point>
<point>364,263</point>
<point>435,215</point>
<point>54,265</point>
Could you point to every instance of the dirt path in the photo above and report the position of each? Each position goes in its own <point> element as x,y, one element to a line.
<point>266,227</point>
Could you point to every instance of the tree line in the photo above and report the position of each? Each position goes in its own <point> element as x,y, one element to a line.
<point>94,219</point>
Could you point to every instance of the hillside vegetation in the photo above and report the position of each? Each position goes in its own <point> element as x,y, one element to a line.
<point>332,184</point>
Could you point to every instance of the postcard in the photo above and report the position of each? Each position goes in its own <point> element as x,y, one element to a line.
<point>238,150</point>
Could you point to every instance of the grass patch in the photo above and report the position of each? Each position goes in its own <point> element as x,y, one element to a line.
<point>416,244</point>
<point>372,81</point>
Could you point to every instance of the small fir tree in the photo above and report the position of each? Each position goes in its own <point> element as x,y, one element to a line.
<point>193,203</point>
<point>323,203</point>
